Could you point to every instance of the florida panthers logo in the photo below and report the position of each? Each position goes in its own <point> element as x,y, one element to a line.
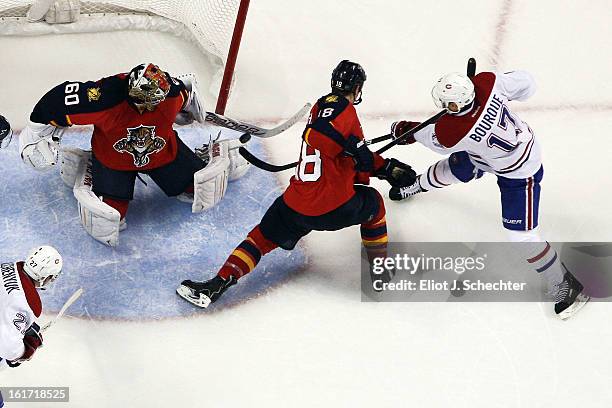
<point>141,142</point>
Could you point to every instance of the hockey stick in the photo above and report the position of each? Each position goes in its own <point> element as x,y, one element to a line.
<point>471,71</point>
<point>257,162</point>
<point>68,303</point>
<point>253,130</point>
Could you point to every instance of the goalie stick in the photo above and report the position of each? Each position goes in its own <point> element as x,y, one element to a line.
<point>470,70</point>
<point>68,303</point>
<point>254,130</point>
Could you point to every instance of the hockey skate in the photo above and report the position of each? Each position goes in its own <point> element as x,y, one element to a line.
<point>203,294</point>
<point>569,297</point>
<point>402,193</point>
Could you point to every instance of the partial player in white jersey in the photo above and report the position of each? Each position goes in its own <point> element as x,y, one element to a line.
<point>481,134</point>
<point>20,304</point>
<point>6,133</point>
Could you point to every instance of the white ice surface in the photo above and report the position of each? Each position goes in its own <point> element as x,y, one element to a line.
<point>311,342</point>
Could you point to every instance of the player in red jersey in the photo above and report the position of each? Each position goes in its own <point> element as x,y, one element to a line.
<point>327,192</point>
<point>133,116</point>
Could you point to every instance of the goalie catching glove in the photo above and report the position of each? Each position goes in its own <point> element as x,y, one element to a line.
<point>193,110</point>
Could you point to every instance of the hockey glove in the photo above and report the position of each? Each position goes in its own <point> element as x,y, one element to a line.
<point>359,151</point>
<point>396,173</point>
<point>401,127</point>
<point>32,340</point>
<point>6,134</point>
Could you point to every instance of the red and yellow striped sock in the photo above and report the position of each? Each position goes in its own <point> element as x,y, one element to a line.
<point>374,238</point>
<point>374,234</point>
<point>247,255</point>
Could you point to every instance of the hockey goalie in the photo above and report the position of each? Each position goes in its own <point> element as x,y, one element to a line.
<point>133,116</point>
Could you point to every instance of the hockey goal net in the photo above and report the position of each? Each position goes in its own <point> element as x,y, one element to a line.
<point>215,26</point>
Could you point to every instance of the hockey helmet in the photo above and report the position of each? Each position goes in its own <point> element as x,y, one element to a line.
<point>456,88</point>
<point>349,77</point>
<point>43,265</point>
<point>148,86</point>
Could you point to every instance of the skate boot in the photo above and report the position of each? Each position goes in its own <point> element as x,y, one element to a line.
<point>569,297</point>
<point>203,294</point>
<point>383,277</point>
<point>402,193</point>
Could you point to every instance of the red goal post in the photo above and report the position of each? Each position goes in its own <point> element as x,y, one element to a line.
<point>215,26</point>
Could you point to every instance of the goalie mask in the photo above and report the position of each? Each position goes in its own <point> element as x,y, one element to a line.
<point>43,265</point>
<point>454,88</point>
<point>148,86</point>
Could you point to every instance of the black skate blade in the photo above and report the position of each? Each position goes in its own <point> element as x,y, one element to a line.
<point>196,299</point>
<point>578,304</point>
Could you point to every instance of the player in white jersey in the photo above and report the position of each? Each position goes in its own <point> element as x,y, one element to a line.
<point>6,133</point>
<point>481,134</point>
<point>20,304</point>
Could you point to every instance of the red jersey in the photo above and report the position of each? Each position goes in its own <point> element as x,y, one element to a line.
<point>325,176</point>
<point>123,138</point>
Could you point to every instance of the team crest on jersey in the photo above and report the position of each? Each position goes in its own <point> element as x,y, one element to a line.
<point>93,94</point>
<point>141,142</point>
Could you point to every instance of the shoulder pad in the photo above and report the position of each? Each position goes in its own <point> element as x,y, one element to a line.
<point>336,103</point>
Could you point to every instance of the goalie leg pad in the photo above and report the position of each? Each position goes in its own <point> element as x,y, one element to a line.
<point>238,164</point>
<point>210,184</point>
<point>72,159</point>
<point>99,219</point>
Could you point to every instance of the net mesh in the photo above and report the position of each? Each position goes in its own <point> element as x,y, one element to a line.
<point>210,21</point>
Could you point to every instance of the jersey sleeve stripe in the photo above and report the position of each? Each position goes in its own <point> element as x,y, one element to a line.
<point>306,134</point>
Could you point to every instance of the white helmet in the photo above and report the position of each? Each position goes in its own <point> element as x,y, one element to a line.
<point>43,265</point>
<point>453,87</point>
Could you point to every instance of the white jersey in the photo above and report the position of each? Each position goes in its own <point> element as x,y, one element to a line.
<point>16,315</point>
<point>495,138</point>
